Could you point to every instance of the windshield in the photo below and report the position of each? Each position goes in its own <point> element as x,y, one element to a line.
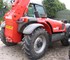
<point>8,3</point>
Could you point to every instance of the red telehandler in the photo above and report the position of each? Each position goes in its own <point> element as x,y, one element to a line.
<point>27,22</point>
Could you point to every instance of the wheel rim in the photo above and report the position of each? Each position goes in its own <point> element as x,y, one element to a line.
<point>40,44</point>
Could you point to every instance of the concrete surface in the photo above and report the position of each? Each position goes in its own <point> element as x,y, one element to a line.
<point>56,52</point>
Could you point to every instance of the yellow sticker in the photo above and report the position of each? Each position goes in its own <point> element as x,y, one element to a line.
<point>9,27</point>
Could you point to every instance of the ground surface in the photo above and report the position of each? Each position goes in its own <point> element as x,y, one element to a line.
<point>56,52</point>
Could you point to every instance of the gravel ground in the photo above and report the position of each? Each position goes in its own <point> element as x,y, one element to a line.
<point>56,52</point>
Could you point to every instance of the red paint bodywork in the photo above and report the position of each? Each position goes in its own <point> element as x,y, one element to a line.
<point>19,8</point>
<point>53,24</point>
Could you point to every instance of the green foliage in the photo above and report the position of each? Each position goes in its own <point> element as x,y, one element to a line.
<point>1,4</point>
<point>53,6</point>
<point>63,15</point>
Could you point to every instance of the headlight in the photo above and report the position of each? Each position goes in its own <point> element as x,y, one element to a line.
<point>3,24</point>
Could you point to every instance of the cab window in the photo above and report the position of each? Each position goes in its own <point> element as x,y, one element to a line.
<point>31,11</point>
<point>40,10</point>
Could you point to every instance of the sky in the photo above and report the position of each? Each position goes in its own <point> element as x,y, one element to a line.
<point>66,2</point>
<point>37,1</point>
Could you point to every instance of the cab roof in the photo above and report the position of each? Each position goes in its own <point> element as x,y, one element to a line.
<point>33,2</point>
<point>36,3</point>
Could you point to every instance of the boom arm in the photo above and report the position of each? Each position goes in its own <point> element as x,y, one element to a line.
<point>19,7</point>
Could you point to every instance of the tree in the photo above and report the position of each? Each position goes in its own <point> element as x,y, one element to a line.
<point>1,13</point>
<point>53,6</point>
<point>1,4</point>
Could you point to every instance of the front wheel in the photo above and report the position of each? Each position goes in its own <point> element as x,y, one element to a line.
<point>3,39</point>
<point>36,43</point>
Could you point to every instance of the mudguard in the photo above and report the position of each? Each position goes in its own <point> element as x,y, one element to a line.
<point>68,27</point>
<point>30,28</point>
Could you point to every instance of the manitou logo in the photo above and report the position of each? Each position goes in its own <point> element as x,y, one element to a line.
<point>57,28</point>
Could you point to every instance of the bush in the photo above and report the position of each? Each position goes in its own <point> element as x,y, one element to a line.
<point>64,15</point>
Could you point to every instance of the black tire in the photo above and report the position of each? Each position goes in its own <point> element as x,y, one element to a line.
<point>30,43</point>
<point>65,41</point>
<point>3,39</point>
<point>69,53</point>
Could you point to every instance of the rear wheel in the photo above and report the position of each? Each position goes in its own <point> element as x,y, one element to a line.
<point>65,41</point>
<point>3,39</point>
<point>36,43</point>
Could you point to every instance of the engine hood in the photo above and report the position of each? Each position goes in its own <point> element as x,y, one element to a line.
<point>56,25</point>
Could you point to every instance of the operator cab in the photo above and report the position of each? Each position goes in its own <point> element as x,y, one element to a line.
<point>36,10</point>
